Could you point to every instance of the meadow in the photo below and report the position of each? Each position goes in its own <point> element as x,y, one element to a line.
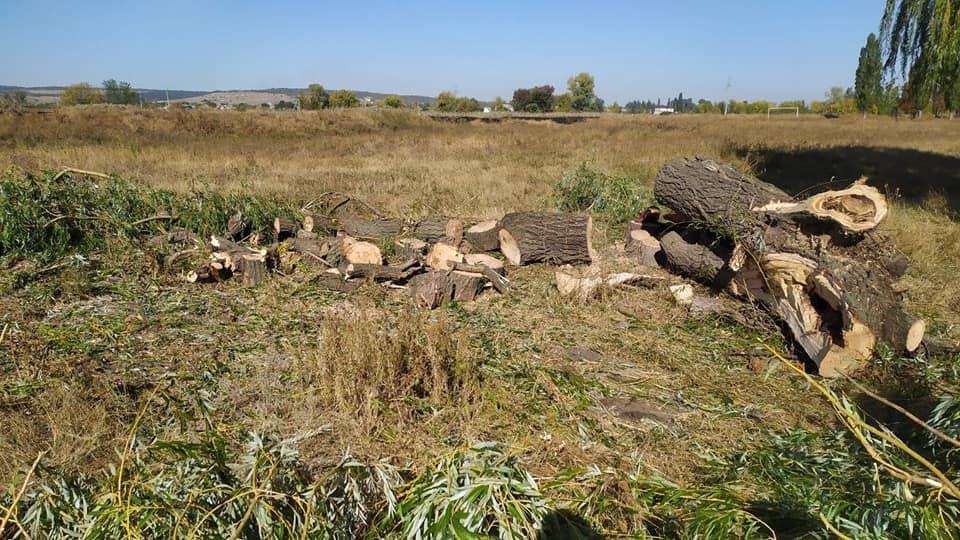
<point>622,416</point>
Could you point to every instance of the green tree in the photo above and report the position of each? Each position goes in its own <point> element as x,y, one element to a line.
<point>498,105</point>
<point>315,98</point>
<point>446,102</point>
<point>119,92</point>
<point>392,102</point>
<point>80,94</point>
<point>869,84</point>
<point>615,108</point>
<point>536,99</point>
<point>14,99</point>
<point>343,99</point>
<point>563,103</point>
<point>922,40</point>
<point>582,96</point>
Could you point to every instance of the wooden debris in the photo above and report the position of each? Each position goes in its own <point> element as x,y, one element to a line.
<point>317,223</point>
<point>817,263</point>
<point>682,294</point>
<point>210,273</point>
<point>484,236</point>
<point>553,237</point>
<point>410,247</point>
<point>434,228</point>
<point>375,229</point>
<point>441,254</point>
<point>641,243</point>
<point>587,287</point>
<point>482,259</point>
<point>360,252</point>
<point>435,287</point>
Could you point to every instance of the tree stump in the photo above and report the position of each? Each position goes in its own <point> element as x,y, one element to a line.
<point>484,236</point>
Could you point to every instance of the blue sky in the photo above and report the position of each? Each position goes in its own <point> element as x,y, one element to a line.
<point>773,49</point>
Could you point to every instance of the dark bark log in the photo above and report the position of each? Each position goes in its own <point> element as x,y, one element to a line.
<point>253,271</point>
<point>684,254</point>
<point>554,237</point>
<point>358,227</point>
<point>484,236</point>
<point>434,228</point>
<point>382,273</point>
<point>406,248</point>
<point>335,282</point>
<point>318,223</point>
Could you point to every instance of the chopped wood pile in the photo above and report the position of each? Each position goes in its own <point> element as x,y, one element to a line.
<point>817,264</point>
<point>437,258</point>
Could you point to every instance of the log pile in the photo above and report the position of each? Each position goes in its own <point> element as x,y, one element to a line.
<point>818,264</point>
<point>436,258</point>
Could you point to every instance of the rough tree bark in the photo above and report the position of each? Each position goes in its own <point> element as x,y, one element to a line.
<point>555,237</point>
<point>816,263</point>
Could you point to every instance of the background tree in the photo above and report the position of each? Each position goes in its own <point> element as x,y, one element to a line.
<point>869,85</point>
<point>285,105</point>
<point>80,94</point>
<point>446,102</point>
<point>343,99</point>
<point>563,103</point>
<point>536,99</point>
<point>681,104</point>
<point>582,96</point>
<point>392,102</point>
<point>315,98</point>
<point>119,92</point>
<point>615,108</point>
<point>13,99</point>
<point>498,104</point>
<point>922,39</point>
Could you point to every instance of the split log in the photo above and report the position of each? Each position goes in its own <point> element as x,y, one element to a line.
<point>554,237</point>
<point>587,287</point>
<point>433,288</point>
<point>496,279</point>
<point>358,227</point>
<point>284,228</point>
<point>484,236</point>
<point>441,254</point>
<point>238,226</point>
<point>816,263</point>
<point>434,228</point>
<point>859,208</point>
<point>641,243</point>
<point>406,248</point>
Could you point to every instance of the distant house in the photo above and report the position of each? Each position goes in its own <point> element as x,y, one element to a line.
<point>487,109</point>
<point>662,109</point>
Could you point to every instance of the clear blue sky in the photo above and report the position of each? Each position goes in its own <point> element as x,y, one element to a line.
<point>772,49</point>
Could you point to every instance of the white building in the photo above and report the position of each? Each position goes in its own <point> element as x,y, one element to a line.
<point>663,109</point>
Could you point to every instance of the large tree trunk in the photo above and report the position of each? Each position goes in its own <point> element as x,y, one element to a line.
<point>554,237</point>
<point>375,229</point>
<point>816,263</point>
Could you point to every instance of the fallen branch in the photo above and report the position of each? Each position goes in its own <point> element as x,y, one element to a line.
<point>80,171</point>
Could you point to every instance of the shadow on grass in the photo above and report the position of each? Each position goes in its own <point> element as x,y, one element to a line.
<point>911,174</point>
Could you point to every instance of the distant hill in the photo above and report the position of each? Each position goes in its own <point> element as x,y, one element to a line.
<point>50,94</point>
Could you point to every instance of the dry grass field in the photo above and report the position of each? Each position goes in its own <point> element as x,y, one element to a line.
<point>660,392</point>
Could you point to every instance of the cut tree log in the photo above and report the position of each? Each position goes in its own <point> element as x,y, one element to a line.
<point>409,247</point>
<point>435,287</point>
<point>314,251</point>
<point>499,282</point>
<point>687,257</point>
<point>484,236</point>
<point>818,264</point>
<point>253,270</point>
<point>375,229</point>
<point>238,226</point>
<point>284,228</point>
<point>383,273</point>
<point>554,237</point>
<point>360,252</point>
<point>641,243</point>
<point>434,228</point>
<point>441,254</point>
<point>584,288</point>
<point>332,280</point>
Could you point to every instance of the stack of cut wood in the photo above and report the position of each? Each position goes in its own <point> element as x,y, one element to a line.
<point>436,257</point>
<point>818,263</point>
